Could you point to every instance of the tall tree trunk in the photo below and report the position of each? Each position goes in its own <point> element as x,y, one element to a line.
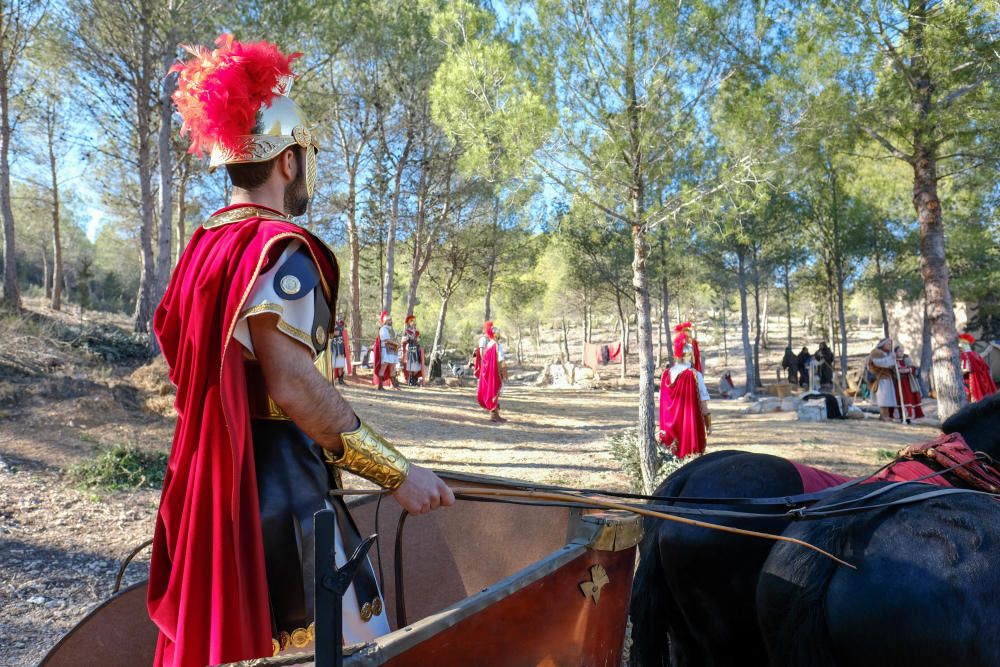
<point>725,329</point>
<point>763,318</point>
<point>165,154</point>
<point>354,242</point>
<point>57,259</point>
<point>390,246</point>
<point>180,232</point>
<point>11,292</point>
<point>492,272</point>
<point>439,330</point>
<point>144,299</point>
<point>46,276</point>
<point>741,274</point>
<point>565,341</point>
<point>830,308</point>
<point>933,261</point>
<point>841,317</point>
<point>788,302</point>
<point>756,322</point>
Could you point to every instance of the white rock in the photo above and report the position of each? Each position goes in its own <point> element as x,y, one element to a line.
<point>809,412</point>
<point>790,403</point>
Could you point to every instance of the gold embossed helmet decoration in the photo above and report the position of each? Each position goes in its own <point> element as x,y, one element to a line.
<point>234,103</point>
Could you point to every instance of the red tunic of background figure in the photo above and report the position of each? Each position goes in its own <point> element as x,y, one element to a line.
<point>683,418</point>
<point>490,378</point>
<point>978,378</point>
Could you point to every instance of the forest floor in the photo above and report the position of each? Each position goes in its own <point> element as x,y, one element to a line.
<point>60,545</point>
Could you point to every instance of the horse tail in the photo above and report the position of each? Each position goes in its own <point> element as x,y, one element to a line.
<point>791,600</point>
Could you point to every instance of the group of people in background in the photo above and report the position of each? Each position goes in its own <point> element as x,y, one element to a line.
<point>895,382</point>
<point>805,365</point>
<point>392,355</point>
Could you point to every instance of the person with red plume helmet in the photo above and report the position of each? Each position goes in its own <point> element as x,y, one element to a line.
<point>685,420</point>
<point>385,353</point>
<point>340,350</point>
<point>262,434</point>
<point>685,331</point>
<point>414,369</point>
<point>491,373</point>
<point>976,372</point>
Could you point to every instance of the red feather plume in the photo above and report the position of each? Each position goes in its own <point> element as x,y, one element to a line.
<point>219,92</point>
<point>968,338</point>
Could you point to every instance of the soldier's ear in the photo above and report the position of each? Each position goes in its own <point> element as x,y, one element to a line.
<point>287,164</point>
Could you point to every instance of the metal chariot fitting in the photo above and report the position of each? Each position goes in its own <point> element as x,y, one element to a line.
<point>369,455</point>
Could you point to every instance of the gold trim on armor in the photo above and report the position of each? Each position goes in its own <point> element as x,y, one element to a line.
<point>296,333</point>
<point>370,456</point>
<point>243,213</point>
<point>263,307</point>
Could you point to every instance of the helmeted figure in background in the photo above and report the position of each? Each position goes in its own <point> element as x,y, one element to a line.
<point>261,434</point>
<point>491,373</point>
<point>978,379</point>
<point>685,419</point>
<point>386,353</point>
<point>685,330</point>
<point>882,364</point>
<point>414,369</point>
<point>340,351</point>
<point>908,386</point>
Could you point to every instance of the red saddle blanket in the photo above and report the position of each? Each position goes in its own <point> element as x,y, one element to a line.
<point>916,462</point>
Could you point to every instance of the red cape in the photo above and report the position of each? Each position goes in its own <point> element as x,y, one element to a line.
<point>697,356</point>
<point>477,363</point>
<point>682,426</point>
<point>488,391</point>
<point>979,383</point>
<point>207,586</point>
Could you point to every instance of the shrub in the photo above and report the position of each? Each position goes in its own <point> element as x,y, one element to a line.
<point>625,449</point>
<point>121,467</point>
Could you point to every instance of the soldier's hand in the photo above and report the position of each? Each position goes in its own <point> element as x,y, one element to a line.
<point>423,491</point>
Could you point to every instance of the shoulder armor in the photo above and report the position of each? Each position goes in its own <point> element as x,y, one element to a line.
<point>297,276</point>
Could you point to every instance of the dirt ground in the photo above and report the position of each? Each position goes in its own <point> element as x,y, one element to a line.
<point>60,546</point>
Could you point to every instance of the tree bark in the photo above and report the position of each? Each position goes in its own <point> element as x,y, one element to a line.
<point>946,358</point>
<point>492,271</point>
<point>926,352</point>
<point>439,331</point>
<point>880,292</point>
<point>745,321</point>
<point>165,153</point>
<point>788,302</point>
<point>354,243</point>
<point>181,227</point>
<point>841,317</point>
<point>57,259</point>
<point>756,321</point>
<point>144,299</point>
<point>11,292</point>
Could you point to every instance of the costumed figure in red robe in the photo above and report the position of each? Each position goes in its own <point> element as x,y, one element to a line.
<point>340,351</point>
<point>685,330</point>
<point>261,434</point>
<point>491,374</point>
<point>908,386</point>
<point>978,379</point>
<point>685,420</point>
<point>386,353</point>
<point>414,369</point>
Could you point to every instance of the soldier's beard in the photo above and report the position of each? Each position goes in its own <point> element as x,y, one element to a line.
<point>296,195</point>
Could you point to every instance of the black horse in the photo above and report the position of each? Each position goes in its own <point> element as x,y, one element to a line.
<point>926,589</point>
<point>694,596</point>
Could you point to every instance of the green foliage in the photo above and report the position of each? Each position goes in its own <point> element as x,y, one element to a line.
<point>624,447</point>
<point>883,456</point>
<point>120,468</point>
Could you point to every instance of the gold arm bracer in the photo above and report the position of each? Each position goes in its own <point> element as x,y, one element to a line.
<point>372,457</point>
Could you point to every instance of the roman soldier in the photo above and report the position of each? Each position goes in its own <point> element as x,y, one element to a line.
<point>908,386</point>
<point>386,353</point>
<point>414,370</point>
<point>261,434</point>
<point>340,351</point>
<point>975,371</point>
<point>685,330</point>
<point>685,419</point>
<point>490,374</point>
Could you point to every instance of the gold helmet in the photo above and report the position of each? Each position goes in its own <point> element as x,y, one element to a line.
<point>234,102</point>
